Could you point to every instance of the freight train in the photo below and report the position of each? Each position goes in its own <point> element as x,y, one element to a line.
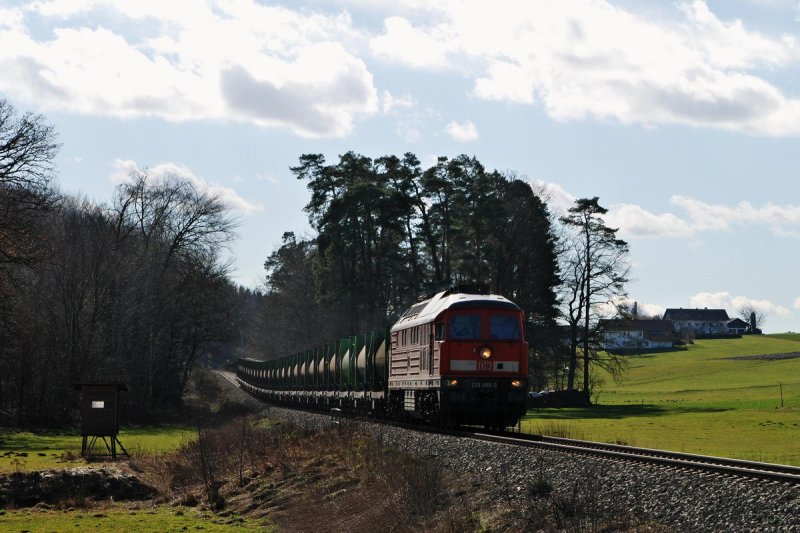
<point>459,357</point>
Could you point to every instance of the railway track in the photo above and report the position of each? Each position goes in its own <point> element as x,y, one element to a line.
<point>615,452</point>
<point>673,460</point>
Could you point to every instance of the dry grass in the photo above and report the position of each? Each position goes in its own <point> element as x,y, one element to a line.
<point>335,479</point>
<point>557,428</point>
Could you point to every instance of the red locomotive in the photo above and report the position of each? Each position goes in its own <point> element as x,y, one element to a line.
<point>459,357</point>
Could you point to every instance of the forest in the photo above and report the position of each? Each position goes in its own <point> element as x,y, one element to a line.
<point>136,290</point>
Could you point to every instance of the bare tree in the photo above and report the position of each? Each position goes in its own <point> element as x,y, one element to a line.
<point>173,235</point>
<point>755,318</point>
<point>27,148</point>
<point>600,270</point>
<point>573,299</point>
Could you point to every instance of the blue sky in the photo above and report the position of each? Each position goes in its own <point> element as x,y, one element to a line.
<point>683,117</point>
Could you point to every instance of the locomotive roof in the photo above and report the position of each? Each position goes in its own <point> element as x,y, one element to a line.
<point>427,310</point>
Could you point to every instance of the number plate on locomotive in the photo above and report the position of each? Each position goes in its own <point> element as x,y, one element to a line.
<point>484,365</point>
<point>484,385</point>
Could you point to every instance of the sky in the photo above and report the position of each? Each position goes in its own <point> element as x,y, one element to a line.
<point>682,117</point>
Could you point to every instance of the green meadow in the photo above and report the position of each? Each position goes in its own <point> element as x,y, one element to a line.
<point>697,400</point>
<point>25,450</point>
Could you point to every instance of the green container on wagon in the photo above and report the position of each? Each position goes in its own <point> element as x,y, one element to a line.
<point>378,360</point>
<point>332,366</point>
<point>287,372</point>
<point>301,370</point>
<point>309,370</point>
<point>312,369</point>
<point>322,368</point>
<point>319,371</point>
<point>346,364</point>
<point>362,361</point>
<point>298,368</point>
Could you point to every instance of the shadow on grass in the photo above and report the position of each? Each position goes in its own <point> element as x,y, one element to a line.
<point>616,412</point>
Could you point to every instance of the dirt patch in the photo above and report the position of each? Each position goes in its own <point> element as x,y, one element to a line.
<point>766,357</point>
<point>70,487</point>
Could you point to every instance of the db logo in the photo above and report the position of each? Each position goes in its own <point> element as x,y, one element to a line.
<point>484,365</point>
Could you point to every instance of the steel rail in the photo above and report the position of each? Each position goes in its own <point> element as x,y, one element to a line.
<point>719,465</point>
<point>685,461</point>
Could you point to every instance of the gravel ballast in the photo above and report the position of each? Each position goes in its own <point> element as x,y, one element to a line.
<point>682,500</point>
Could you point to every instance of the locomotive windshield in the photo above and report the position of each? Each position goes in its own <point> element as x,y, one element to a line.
<point>465,327</point>
<point>504,328</point>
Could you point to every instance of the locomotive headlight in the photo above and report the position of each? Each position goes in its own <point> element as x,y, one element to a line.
<point>452,382</point>
<point>516,383</point>
<point>486,352</point>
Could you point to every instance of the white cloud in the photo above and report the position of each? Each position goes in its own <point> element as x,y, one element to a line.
<point>783,220</point>
<point>415,47</point>
<point>390,102</point>
<point>797,303</point>
<point>269,178</point>
<point>412,125</point>
<point>646,309</point>
<point>558,200</point>
<point>226,59</point>
<point>591,59</point>
<point>305,71</point>
<point>610,309</point>
<point>462,132</point>
<point>732,304</point>
<point>11,18</point>
<point>124,169</point>
<point>633,221</point>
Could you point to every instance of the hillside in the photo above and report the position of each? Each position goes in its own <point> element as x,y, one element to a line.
<point>718,397</point>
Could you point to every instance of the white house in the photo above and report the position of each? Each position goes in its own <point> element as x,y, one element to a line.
<point>703,322</point>
<point>737,326</point>
<point>621,334</point>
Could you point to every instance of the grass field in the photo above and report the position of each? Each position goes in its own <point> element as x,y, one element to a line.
<point>120,519</point>
<point>24,450</point>
<point>697,401</point>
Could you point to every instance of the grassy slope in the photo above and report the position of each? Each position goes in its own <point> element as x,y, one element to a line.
<point>697,401</point>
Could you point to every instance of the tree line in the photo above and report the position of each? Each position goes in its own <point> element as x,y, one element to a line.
<point>388,232</point>
<point>133,290</point>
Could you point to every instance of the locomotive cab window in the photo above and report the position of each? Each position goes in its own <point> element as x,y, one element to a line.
<point>464,327</point>
<point>439,331</point>
<point>504,328</point>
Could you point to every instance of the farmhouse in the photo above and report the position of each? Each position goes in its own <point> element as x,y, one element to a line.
<point>702,322</point>
<point>737,326</point>
<point>621,334</point>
